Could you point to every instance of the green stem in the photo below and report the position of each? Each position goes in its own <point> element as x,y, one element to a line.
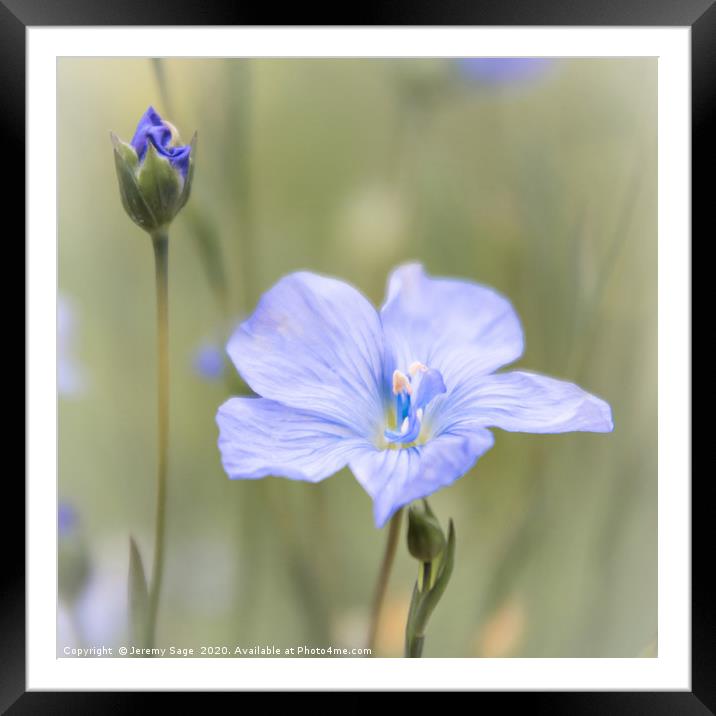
<point>414,649</point>
<point>160,241</point>
<point>244,168</point>
<point>381,586</point>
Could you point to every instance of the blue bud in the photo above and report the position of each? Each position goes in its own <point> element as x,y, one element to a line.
<point>154,172</point>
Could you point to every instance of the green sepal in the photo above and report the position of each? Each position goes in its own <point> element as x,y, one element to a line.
<point>126,162</point>
<point>138,596</point>
<point>447,562</point>
<point>160,185</point>
<point>186,188</point>
<point>152,191</point>
<point>426,540</point>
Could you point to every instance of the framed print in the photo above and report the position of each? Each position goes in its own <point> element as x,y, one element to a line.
<point>358,357</point>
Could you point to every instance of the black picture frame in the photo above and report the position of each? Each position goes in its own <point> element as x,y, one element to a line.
<point>699,15</point>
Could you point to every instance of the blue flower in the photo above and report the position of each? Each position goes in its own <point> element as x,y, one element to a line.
<point>209,361</point>
<point>502,70</point>
<point>162,135</point>
<point>404,397</point>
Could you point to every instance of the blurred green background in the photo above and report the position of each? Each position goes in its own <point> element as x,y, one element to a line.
<point>541,184</point>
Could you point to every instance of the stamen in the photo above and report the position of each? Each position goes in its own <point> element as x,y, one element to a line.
<point>401,383</point>
<point>417,367</point>
<point>412,394</point>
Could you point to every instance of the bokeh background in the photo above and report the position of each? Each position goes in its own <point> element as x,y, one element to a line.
<point>537,177</point>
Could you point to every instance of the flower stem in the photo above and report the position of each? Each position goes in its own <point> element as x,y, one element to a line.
<point>381,586</point>
<point>160,241</point>
<point>414,647</point>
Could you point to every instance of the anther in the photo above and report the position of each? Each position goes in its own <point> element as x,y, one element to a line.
<point>401,383</point>
<point>417,367</point>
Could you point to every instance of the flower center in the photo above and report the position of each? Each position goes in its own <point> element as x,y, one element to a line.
<point>412,394</point>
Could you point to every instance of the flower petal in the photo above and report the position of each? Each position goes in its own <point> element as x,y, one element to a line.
<point>152,128</point>
<point>315,342</point>
<point>429,385</point>
<point>150,124</point>
<point>526,402</point>
<point>393,478</point>
<point>458,327</point>
<point>259,437</point>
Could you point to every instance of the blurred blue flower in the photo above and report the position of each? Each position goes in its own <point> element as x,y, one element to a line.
<point>503,70</point>
<point>404,397</point>
<point>97,614</point>
<point>152,128</point>
<point>73,561</point>
<point>209,361</point>
<point>66,519</point>
<point>70,377</point>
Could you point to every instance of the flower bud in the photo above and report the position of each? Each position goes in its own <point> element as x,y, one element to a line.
<point>154,172</point>
<point>426,540</point>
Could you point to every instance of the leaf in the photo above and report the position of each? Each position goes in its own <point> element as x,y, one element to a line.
<point>138,596</point>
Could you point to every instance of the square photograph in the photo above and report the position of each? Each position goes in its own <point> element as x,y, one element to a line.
<point>357,358</point>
